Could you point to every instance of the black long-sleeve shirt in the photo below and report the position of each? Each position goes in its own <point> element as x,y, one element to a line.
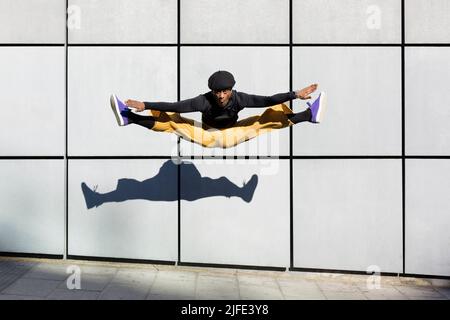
<point>215,115</point>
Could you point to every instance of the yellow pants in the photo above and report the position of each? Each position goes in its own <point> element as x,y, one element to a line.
<point>274,117</point>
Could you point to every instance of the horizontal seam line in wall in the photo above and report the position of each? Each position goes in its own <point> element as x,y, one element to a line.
<point>280,45</point>
<point>347,157</point>
<point>360,272</point>
<point>371,157</point>
<point>183,157</point>
<point>222,157</point>
<point>30,157</point>
<point>257,45</point>
<point>119,157</point>
<point>414,275</point>
<point>31,255</point>
<point>427,157</point>
<point>248,157</point>
<point>31,44</point>
<point>122,45</point>
<point>233,266</point>
<point>225,45</point>
<point>123,260</point>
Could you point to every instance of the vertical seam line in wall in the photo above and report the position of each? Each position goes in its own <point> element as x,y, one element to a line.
<point>403,133</point>
<point>66,161</point>
<point>178,140</point>
<point>291,187</point>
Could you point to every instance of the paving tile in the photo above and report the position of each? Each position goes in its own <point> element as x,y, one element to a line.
<point>256,292</point>
<point>6,279</point>
<point>6,267</point>
<point>130,276</point>
<point>32,287</point>
<point>17,267</point>
<point>18,297</point>
<point>65,294</point>
<point>255,280</point>
<point>444,291</point>
<point>213,288</point>
<point>124,292</point>
<point>298,287</point>
<point>442,283</point>
<point>313,295</point>
<point>380,294</point>
<point>218,295</point>
<point>48,271</point>
<point>332,295</point>
<point>419,292</point>
<point>175,275</point>
<point>173,288</point>
<point>204,280</point>
<point>172,295</point>
<point>91,282</point>
<point>99,270</point>
<point>427,298</point>
<point>337,287</point>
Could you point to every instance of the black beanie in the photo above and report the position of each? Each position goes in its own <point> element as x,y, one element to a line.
<point>221,80</point>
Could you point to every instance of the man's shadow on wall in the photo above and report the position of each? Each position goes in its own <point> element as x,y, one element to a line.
<point>163,187</point>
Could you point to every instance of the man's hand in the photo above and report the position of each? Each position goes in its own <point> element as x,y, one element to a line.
<point>137,105</point>
<point>305,93</point>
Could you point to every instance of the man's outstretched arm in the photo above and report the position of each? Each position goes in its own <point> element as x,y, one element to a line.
<point>189,105</point>
<point>255,101</point>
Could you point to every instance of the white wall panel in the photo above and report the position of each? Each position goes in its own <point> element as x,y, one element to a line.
<point>427,217</point>
<point>427,101</point>
<point>243,21</point>
<point>219,224</point>
<point>131,214</point>
<point>348,214</point>
<point>32,21</point>
<point>347,21</point>
<point>123,21</point>
<point>140,73</point>
<point>427,21</point>
<point>363,88</point>
<point>32,206</point>
<point>32,97</point>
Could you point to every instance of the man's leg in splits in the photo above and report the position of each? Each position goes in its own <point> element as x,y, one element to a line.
<point>300,116</point>
<point>144,121</point>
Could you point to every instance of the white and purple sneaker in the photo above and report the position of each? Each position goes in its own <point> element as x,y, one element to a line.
<point>317,108</point>
<point>120,110</point>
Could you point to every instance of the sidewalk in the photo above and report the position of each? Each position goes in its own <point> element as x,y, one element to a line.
<point>23,278</point>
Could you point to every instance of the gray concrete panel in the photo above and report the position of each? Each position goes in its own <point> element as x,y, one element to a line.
<point>427,115</point>
<point>32,206</point>
<point>32,21</point>
<point>219,221</point>
<point>140,73</point>
<point>363,88</point>
<point>123,21</point>
<point>131,214</point>
<point>347,21</point>
<point>33,101</point>
<point>244,21</point>
<point>427,21</point>
<point>348,214</point>
<point>427,220</point>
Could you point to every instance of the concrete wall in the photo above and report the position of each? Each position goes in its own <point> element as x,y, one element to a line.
<point>368,186</point>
